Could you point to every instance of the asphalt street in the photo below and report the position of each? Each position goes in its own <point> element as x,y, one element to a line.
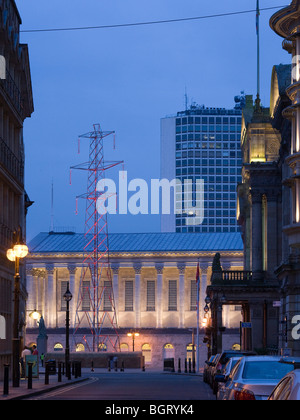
<point>135,386</point>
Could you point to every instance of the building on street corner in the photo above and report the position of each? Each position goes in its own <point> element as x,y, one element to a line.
<point>16,104</point>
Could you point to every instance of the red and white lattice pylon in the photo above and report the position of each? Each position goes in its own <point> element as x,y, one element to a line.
<point>95,306</point>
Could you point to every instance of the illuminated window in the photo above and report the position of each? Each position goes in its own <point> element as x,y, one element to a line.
<point>58,347</point>
<point>189,351</point>
<point>169,351</point>
<point>146,350</point>
<point>124,347</point>
<point>80,348</point>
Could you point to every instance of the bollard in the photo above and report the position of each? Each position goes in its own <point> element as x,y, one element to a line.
<point>79,368</point>
<point>144,368</point>
<point>92,369</point>
<point>185,365</point>
<point>194,366</point>
<point>190,365</point>
<point>47,374</point>
<point>122,368</point>
<point>76,370</point>
<point>109,365</point>
<point>29,384</point>
<point>179,365</point>
<point>59,372</point>
<point>6,380</point>
<point>68,370</point>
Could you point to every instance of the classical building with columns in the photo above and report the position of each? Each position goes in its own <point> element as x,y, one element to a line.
<point>154,284</point>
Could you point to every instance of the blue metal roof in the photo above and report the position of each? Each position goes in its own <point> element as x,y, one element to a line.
<point>139,242</point>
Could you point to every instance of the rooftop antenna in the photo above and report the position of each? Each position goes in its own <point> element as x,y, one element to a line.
<point>186,100</point>
<point>52,208</point>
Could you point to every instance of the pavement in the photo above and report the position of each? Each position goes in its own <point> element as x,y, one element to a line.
<point>39,387</point>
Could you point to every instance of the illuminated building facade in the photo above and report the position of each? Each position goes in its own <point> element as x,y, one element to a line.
<point>154,282</point>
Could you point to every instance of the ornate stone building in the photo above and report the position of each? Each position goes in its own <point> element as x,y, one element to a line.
<point>154,283</point>
<point>16,105</point>
<point>286,115</point>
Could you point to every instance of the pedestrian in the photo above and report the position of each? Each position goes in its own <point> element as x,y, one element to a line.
<point>42,359</point>
<point>25,352</point>
<point>34,350</point>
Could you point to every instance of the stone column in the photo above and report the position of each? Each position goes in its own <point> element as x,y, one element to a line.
<point>159,295</point>
<point>72,274</point>
<point>257,265</point>
<point>31,305</point>
<point>115,269</point>
<point>50,297</point>
<point>203,286</point>
<point>181,267</point>
<point>137,298</point>
<point>273,257</point>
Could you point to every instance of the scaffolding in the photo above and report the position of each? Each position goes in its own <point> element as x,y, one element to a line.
<point>95,323</point>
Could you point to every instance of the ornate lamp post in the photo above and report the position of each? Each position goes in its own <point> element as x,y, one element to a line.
<point>19,251</point>
<point>67,298</point>
<point>133,335</point>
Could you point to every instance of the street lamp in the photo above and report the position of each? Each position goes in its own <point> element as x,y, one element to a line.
<point>35,315</point>
<point>133,335</point>
<point>19,251</point>
<point>67,298</point>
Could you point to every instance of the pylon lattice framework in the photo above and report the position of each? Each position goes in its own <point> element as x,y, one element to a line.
<point>95,303</point>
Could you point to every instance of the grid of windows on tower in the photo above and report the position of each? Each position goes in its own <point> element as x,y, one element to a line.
<point>208,148</point>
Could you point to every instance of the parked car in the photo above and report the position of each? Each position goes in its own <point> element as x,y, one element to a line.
<point>222,378</point>
<point>221,362</point>
<point>254,377</point>
<point>207,365</point>
<point>210,368</point>
<point>288,388</point>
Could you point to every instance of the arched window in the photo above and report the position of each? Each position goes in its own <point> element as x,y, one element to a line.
<point>102,347</point>
<point>146,350</point>
<point>124,347</point>
<point>189,351</point>
<point>58,347</point>
<point>169,351</point>
<point>80,348</point>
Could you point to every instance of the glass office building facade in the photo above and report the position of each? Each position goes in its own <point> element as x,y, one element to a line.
<point>207,147</point>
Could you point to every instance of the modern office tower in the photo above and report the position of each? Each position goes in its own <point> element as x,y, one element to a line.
<point>202,144</point>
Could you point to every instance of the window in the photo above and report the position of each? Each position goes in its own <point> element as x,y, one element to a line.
<point>129,295</point>
<point>146,351</point>
<point>150,295</point>
<point>58,347</point>
<point>172,295</point>
<point>193,295</point>
<point>63,288</point>
<point>85,305</point>
<point>107,306</point>
<point>124,347</point>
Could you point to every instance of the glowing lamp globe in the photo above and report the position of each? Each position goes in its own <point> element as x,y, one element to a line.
<point>21,251</point>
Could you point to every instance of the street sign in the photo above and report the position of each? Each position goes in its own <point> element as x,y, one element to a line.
<point>277,304</point>
<point>246,324</point>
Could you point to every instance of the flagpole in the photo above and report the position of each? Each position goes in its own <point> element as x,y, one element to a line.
<point>258,47</point>
<point>198,313</point>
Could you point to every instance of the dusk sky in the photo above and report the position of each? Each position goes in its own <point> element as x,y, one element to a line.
<point>127,79</point>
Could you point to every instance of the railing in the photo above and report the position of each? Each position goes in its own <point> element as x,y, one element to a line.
<point>12,91</point>
<point>231,277</point>
<point>10,161</point>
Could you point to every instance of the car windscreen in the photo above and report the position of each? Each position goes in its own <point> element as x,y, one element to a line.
<point>268,370</point>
